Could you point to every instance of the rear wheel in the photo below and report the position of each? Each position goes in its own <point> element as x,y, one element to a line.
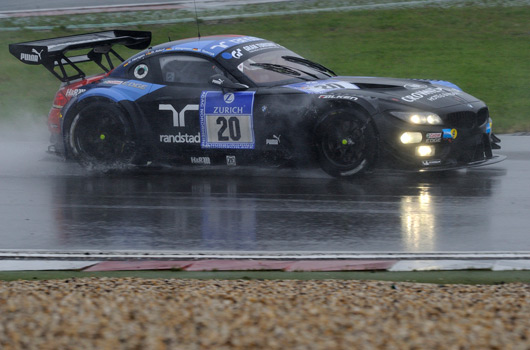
<point>346,143</point>
<point>101,136</point>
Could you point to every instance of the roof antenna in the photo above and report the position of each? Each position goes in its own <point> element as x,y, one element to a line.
<point>168,37</point>
<point>197,20</point>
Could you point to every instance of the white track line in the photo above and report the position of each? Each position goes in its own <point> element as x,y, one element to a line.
<point>179,255</point>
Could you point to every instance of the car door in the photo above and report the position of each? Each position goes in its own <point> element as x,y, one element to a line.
<point>173,109</point>
<point>192,118</point>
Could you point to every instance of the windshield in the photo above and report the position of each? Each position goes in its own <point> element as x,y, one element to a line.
<point>281,66</point>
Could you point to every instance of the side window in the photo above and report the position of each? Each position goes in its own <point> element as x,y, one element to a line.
<point>184,69</point>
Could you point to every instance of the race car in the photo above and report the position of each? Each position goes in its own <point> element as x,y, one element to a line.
<point>236,100</point>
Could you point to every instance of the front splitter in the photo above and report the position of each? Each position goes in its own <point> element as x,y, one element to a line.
<point>495,159</point>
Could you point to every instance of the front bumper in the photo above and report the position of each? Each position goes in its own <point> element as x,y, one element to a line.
<point>451,147</point>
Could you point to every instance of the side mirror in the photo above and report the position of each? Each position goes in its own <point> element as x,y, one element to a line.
<point>223,82</point>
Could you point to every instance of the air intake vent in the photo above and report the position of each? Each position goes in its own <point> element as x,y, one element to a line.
<point>483,116</point>
<point>461,119</point>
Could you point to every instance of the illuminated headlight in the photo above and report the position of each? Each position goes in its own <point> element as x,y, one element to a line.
<point>411,137</point>
<point>420,118</point>
<point>425,151</point>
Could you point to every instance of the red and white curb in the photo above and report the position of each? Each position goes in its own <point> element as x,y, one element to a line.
<point>12,260</point>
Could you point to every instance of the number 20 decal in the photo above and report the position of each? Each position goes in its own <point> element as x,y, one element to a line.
<point>234,129</point>
<point>229,131</point>
<point>227,122</point>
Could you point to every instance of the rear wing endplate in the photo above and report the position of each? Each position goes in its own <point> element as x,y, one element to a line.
<point>51,53</point>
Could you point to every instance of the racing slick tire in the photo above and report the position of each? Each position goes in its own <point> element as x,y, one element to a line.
<point>101,137</point>
<point>346,143</point>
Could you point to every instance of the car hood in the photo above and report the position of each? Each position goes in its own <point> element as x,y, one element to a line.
<point>422,94</point>
<point>425,94</point>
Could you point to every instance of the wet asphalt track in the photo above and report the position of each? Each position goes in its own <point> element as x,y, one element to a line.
<point>48,204</point>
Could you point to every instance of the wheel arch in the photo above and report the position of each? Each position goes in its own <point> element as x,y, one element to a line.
<point>332,109</point>
<point>130,109</point>
<point>364,108</point>
<point>358,106</point>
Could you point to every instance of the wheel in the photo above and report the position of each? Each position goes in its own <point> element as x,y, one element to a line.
<point>100,136</point>
<point>346,143</point>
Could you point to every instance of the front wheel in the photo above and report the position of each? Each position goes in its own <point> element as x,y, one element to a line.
<point>100,136</point>
<point>346,143</point>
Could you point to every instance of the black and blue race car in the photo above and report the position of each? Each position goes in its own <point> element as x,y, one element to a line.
<point>240,100</point>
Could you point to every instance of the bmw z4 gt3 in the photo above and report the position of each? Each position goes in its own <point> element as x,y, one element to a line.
<point>240,100</point>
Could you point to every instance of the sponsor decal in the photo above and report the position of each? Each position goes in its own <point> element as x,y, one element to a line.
<point>237,53</point>
<point>446,83</point>
<point>488,128</point>
<point>431,162</point>
<point>231,160</point>
<point>421,94</point>
<point>221,44</point>
<point>181,138</point>
<point>141,71</point>
<point>260,46</point>
<point>122,90</point>
<point>243,40</point>
<point>229,97</point>
<point>275,141</point>
<point>450,133</point>
<point>442,95</point>
<point>322,86</point>
<point>200,160</point>
<point>134,84</point>
<point>218,81</point>
<point>178,117</point>
<point>113,82</point>
<point>74,92</point>
<point>228,110</point>
<point>339,97</point>
<point>433,135</point>
<point>414,86</point>
<point>225,44</point>
<point>215,47</point>
<point>34,56</point>
<point>133,60</point>
<point>227,120</point>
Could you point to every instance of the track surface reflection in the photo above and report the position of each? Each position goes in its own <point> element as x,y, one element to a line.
<point>46,204</point>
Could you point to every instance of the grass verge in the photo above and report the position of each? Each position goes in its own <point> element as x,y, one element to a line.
<point>437,277</point>
<point>484,50</point>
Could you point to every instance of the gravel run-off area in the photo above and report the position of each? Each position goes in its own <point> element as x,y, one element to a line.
<point>134,313</point>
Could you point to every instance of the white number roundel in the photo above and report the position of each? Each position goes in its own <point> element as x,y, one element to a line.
<point>141,71</point>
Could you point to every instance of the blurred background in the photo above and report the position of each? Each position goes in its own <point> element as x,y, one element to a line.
<point>482,46</point>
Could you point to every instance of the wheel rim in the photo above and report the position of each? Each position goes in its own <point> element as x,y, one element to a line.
<point>343,142</point>
<point>102,139</point>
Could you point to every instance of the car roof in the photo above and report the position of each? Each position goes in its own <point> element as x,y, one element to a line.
<point>209,45</point>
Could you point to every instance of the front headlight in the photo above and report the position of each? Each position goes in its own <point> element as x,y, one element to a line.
<point>419,118</point>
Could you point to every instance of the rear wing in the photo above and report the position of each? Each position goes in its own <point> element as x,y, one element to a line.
<point>51,53</point>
